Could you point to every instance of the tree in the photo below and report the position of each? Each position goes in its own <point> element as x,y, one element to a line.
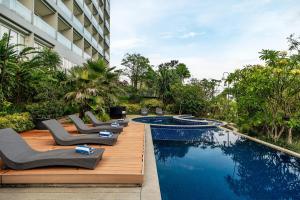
<point>93,86</point>
<point>165,79</point>
<point>189,99</point>
<point>182,71</point>
<point>136,66</point>
<point>15,69</point>
<point>267,95</point>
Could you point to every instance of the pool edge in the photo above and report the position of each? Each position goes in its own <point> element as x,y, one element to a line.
<point>273,146</point>
<point>151,188</point>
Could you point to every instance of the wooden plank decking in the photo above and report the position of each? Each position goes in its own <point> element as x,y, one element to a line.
<point>122,163</point>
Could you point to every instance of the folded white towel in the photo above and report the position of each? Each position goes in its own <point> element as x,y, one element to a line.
<point>115,124</point>
<point>84,150</point>
<point>105,134</point>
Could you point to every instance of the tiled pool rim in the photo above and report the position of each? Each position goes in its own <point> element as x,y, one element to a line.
<point>182,118</point>
<point>225,126</point>
<point>278,148</point>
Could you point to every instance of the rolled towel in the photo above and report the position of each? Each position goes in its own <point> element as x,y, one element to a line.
<point>120,120</point>
<point>115,124</point>
<point>105,134</point>
<point>84,149</point>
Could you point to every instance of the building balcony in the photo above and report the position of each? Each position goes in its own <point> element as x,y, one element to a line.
<point>41,24</point>
<point>77,50</point>
<point>64,41</point>
<point>65,9</point>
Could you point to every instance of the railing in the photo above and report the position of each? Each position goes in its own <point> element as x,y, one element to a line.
<point>28,15</point>
<point>65,9</point>
<point>94,43</point>
<point>87,10</point>
<point>23,11</point>
<point>86,56</point>
<point>101,31</point>
<point>107,56</point>
<point>107,24</point>
<point>77,50</point>
<point>63,40</point>
<point>107,40</point>
<point>100,49</point>
<point>87,34</point>
<point>78,24</point>
<point>80,2</point>
<point>18,8</point>
<point>95,3</point>
<point>107,7</point>
<point>101,13</point>
<point>37,21</point>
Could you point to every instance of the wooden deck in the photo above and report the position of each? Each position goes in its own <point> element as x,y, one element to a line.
<point>122,163</point>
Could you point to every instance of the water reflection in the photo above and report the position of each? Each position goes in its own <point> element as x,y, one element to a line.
<point>258,172</point>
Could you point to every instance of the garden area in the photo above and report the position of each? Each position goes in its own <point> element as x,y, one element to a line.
<point>261,100</point>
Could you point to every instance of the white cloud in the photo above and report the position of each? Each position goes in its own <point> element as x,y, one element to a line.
<point>189,35</point>
<point>127,44</point>
<point>232,33</point>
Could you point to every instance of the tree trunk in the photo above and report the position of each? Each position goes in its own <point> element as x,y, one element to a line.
<point>290,136</point>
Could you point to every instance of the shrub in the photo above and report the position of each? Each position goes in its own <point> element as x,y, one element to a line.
<point>151,104</point>
<point>18,121</point>
<point>46,110</point>
<point>170,108</point>
<point>132,108</point>
<point>103,117</point>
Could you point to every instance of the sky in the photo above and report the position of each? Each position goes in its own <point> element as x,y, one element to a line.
<point>210,36</point>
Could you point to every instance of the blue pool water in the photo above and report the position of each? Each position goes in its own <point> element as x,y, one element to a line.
<point>209,163</point>
<point>167,120</point>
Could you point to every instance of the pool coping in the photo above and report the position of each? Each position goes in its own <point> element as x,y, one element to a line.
<point>278,148</point>
<point>150,189</point>
<point>172,125</point>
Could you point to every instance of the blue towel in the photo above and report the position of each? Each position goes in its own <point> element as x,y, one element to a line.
<point>105,134</point>
<point>115,124</point>
<point>84,149</point>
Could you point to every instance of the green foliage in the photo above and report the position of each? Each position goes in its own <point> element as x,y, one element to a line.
<point>136,68</point>
<point>93,86</point>
<point>267,96</point>
<point>19,122</point>
<point>152,104</point>
<point>189,99</point>
<point>222,108</point>
<point>132,108</point>
<point>28,78</point>
<point>46,110</point>
<point>103,117</point>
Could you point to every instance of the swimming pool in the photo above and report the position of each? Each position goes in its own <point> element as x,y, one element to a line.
<point>174,120</point>
<point>210,163</point>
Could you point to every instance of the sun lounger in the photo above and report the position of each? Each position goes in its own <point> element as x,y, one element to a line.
<point>83,128</point>
<point>17,154</point>
<point>62,137</point>
<point>159,111</point>
<point>144,111</point>
<point>96,122</point>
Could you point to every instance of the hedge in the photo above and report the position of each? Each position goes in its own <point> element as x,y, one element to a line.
<point>19,122</point>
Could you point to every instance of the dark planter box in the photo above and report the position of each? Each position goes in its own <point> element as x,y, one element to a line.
<point>117,112</point>
<point>39,125</point>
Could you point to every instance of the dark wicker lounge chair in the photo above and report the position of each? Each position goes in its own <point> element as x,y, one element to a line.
<point>144,111</point>
<point>83,128</point>
<point>62,137</point>
<point>159,111</point>
<point>97,122</point>
<point>17,154</point>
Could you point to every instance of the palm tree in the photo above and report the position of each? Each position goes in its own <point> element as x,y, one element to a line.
<point>15,67</point>
<point>93,86</point>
